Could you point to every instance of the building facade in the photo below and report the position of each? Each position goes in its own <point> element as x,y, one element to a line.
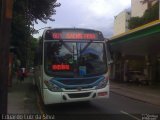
<point>135,53</point>
<point>138,7</point>
<point>121,22</point>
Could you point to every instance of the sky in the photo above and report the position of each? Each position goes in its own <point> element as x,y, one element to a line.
<point>93,14</point>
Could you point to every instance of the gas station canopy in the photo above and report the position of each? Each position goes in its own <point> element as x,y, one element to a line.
<point>139,41</point>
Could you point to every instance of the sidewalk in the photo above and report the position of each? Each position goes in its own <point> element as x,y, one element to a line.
<point>22,97</point>
<point>143,93</point>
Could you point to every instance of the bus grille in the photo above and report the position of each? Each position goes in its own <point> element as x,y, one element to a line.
<point>79,95</point>
<point>75,88</point>
<point>78,81</point>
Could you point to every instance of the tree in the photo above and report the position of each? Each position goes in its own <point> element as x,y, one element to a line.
<point>20,31</point>
<point>31,50</point>
<point>150,14</point>
<point>134,22</point>
<point>149,3</point>
<point>26,12</point>
<point>41,9</point>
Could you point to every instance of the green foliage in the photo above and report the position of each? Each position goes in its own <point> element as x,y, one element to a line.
<point>25,12</point>
<point>19,30</point>
<point>135,22</point>
<point>150,14</point>
<point>33,42</point>
<point>41,9</point>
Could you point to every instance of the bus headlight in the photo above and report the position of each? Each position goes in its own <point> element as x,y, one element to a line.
<point>52,87</point>
<point>102,84</point>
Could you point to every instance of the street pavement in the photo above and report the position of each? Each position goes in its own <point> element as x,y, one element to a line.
<point>22,97</point>
<point>127,102</point>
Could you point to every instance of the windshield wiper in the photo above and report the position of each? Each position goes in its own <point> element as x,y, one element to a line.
<point>67,47</point>
<point>85,47</point>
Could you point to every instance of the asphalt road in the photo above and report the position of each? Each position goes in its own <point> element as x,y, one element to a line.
<point>117,107</point>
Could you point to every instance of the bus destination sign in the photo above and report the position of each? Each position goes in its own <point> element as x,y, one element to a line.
<point>73,35</point>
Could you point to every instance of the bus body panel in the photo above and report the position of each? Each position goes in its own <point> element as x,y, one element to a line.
<point>38,77</point>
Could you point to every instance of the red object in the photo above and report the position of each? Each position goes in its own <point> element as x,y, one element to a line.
<point>26,73</point>
<point>102,93</point>
<point>72,35</point>
<point>61,67</point>
<point>80,36</point>
<point>21,73</point>
<point>56,36</point>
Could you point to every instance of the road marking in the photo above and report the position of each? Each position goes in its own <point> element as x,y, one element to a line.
<point>130,115</point>
<point>39,106</point>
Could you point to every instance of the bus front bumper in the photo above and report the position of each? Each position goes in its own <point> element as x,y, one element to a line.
<point>64,97</point>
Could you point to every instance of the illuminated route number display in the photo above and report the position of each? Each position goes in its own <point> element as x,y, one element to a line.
<point>60,67</point>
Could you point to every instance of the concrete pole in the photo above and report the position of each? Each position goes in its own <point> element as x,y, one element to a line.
<point>4,53</point>
<point>159,9</point>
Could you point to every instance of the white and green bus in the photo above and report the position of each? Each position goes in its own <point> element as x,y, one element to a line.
<point>71,65</point>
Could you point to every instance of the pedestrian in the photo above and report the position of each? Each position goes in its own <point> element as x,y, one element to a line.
<point>21,74</point>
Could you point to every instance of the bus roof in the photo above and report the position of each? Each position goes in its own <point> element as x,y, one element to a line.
<point>73,29</point>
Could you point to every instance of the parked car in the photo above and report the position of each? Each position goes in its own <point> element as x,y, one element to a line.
<point>137,77</point>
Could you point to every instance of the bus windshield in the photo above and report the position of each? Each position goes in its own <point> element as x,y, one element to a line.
<point>74,59</point>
